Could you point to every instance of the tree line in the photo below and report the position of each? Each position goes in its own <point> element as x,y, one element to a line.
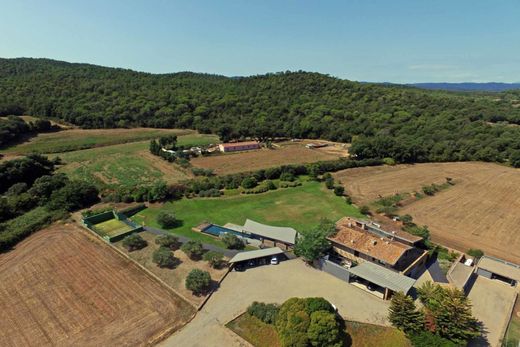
<point>404,123</point>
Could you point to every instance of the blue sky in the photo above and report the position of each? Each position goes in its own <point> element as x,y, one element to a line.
<point>394,40</point>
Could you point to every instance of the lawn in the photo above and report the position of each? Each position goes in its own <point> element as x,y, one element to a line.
<point>126,165</point>
<point>260,334</point>
<point>253,330</point>
<point>300,207</point>
<point>112,227</point>
<point>512,338</point>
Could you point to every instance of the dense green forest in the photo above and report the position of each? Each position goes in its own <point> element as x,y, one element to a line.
<point>407,124</point>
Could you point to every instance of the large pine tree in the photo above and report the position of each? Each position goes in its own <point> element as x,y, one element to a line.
<point>404,315</point>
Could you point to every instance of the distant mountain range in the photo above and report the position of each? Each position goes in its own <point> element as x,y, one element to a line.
<point>468,86</point>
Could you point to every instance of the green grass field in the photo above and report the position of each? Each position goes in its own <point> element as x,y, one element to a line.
<point>76,139</point>
<point>112,227</point>
<point>300,207</point>
<point>126,165</point>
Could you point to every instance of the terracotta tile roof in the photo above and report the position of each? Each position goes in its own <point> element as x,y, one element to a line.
<point>364,242</point>
<point>239,144</point>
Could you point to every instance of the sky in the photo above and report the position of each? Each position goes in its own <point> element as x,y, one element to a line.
<point>372,40</point>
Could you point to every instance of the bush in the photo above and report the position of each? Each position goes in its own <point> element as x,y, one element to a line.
<point>348,200</point>
<point>324,330</point>
<point>163,257</point>
<point>193,249</point>
<point>168,241</point>
<point>427,339</point>
<point>134,242</point>
<point>166,220</point>
<point>318,304</point>
<point>290,184</point>
<point>232,241</point>
<point>215,259</point>
<point>477,253</point>
<point>265,312</point>
<point>364,210</point>
<point>287,176</point>
<point>198,281</point>
<point>270,185</point>
<point>329,182</point>
<point>388,161</point>
<point>210,193</point>
<point>339,190</point>
<point>249,182</point>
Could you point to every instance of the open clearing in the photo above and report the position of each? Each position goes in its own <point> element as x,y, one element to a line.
<point>76,139</point>
<point>63,287</point>
<point>480,211</point>
<point>294,153</point>
<point>127,165</point>
<point>300,207</point>
<point>175,277</point>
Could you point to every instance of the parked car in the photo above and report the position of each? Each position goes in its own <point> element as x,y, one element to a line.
<point>274,261</point>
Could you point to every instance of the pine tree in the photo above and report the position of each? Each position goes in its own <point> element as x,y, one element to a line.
<point>403,314</point>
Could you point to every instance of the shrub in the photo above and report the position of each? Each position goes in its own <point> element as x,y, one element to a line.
<point>210,193</point>
<point>364,209</point>
<point>232,241</point>
<point>168,241</point>
<point>166,220</point>
<point>193,249</point>
<point>265,312</point>
<point>249,182</point>
<point>163,257</point>
<point>215,259</point>
<point>287,176</point>
<point>270,185</point>
<point>427,339</point>
<point>324,330</point>
<point>477,253</point>
<point>388,161</point>
<point>318,304</point>
<point>329,182</point>
<point>134,242</point>
<point>348,200</point>
<point>339,190</point>
<point>290,184</point>
<point>198,281</point>
<point>292,322</point>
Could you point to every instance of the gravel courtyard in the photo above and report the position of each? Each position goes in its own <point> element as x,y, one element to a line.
<point>274,284</point>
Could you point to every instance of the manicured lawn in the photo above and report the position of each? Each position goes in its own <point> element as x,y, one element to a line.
<point>253,330</point>
<point>300,207</point>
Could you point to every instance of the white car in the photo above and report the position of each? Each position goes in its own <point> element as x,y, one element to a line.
<point>274,261</point>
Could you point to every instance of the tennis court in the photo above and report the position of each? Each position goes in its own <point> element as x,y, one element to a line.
<point>112,227</point>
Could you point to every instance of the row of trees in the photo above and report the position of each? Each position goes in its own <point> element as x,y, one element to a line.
<point>407,124</point>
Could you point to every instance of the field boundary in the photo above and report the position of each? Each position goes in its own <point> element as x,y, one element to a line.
<point>510,317</point>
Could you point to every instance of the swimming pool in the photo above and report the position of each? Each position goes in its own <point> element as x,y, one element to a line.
<point>216,230</point>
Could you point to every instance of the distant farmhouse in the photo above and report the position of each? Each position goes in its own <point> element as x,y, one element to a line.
<point>369,257</point>
<point>239,146</point>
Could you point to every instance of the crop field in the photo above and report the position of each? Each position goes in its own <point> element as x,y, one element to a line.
<point>76,139</point>
<point>295,153</point>
<point>300,207</point>
<point>129,164</point>
<point>63,287</point>
<point>112,227</point>
<point>479,211</point>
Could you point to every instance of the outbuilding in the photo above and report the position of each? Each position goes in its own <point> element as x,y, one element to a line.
<point>498,269</point>
<point>256,257</point>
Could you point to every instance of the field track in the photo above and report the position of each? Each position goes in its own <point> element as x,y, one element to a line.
<point>63,287</point>
<point>481,211</point>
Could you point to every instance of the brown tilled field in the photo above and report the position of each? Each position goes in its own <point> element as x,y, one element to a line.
<point>63,287</point>
<point>481,211</point>
<point>263,158</point>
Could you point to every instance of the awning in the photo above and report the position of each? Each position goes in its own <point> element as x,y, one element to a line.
<point>242,256</point>
<point>383,277</point>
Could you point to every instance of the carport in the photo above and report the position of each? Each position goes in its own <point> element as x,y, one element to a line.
<point>498,269</point>
<point>384,281</point>
<point>258,257</point>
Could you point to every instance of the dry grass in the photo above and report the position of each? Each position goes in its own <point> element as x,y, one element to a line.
<point>262,159</point>
<point>175,277</point>
<point>480,211</point>
<point>63,287</point>
<point>368,335</point>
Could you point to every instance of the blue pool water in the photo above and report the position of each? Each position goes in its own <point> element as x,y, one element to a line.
<point>216,230</point>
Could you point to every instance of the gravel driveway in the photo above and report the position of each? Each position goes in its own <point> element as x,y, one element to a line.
<point>274,284</point>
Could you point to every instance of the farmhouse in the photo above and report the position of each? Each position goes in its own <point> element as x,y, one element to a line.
<point>497,269</point>
<point>239,146</point>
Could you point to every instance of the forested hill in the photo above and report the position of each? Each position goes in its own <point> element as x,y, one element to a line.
<point>405,123</point>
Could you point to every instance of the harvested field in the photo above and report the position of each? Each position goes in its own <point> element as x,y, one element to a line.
<point>480,211</point>
<point>263,158</point>
<point>175,277</point>
<point>63,287</point>
<point>76,139</point>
